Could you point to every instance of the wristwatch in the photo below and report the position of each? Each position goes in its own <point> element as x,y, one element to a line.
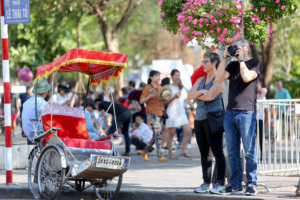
<point>243,60</point>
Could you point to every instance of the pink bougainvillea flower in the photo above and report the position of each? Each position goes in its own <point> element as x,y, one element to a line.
<point>235,1</point>
<point>219,29</point>
<point>190,18</point>
<point>270,30</point>
<point>239,7</point>
<point>252,7</point>
<point>201,20</point>
<point>258,19</point>
<point>217,8</point>
<point>211,11</point>
<point>160,2</point>
<point>253,16</point>
<point>255,21</point>
<point>220,21</point>
<point>252,43</point>
<point>212,3</point>
<point>283,7</point>
<point>195,21</point>
<point>206,24</point>
<point>211,31</point>
<point>213,48</point>
<point>269,17</point>
<point>277,1</point>
<point>263,9</point>
<point>211,16</point>
<point>206,15</point>
<point>180,17</point>
<point>204,1</point>
<point>192,37</point>
<point>268,23</point>
<point>270,36</point>
<point>198,33</point>
<point>220,13</point>
<point>200,25</point>
<point>225,7</point>
<point>211,26</point>
<point>206,20</point>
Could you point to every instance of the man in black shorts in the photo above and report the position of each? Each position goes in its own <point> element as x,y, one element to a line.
<point>122,118</point>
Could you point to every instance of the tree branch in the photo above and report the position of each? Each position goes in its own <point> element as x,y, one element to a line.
<point>132,5</point>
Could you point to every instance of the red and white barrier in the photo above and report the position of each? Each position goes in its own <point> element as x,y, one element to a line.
<point>6,85</point>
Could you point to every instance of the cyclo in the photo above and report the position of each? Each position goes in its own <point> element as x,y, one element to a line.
<point>64,153</point>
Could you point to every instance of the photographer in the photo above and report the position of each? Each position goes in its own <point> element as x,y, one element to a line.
<point>240,116</point>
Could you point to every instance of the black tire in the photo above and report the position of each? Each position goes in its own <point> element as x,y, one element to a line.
<point>108,192</point>
<point>32,164</point>
<point>51,175</point>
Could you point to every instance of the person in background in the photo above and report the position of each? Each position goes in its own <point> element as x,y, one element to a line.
<point>73,97</point>
<point>273,111</point>
<point>100,120</point>
<point>15,111</point>
<point>141,134</point>
<point>41,89</point>
<point>130,88</point>
<point>240,116</point>
<point>91,94</point>
<point>261,95</point>
<point>94,134</point>
<point>208,94</point>
<point>122,117</point>
<point>154,110</point>
<point>135,95</point>
<point>177,115</point>
<point>165,81</point>
<point>282,93</point>
<point>125,94</point>
<point>61,98</point>
<point>24,97</point>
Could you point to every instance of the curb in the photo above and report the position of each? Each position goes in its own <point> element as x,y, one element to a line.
<point>24,193</point>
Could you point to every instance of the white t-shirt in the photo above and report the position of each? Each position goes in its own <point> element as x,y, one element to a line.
<point>57,98</point>
<point>144,132</point>
<point>261,96</point>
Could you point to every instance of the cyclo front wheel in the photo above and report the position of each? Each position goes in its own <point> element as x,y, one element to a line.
<point>32,165</point>
<point>109,189</point>
<point>51,175</point>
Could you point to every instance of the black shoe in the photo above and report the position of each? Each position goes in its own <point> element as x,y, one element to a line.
<point>251,191</point>
<point>230,190</point>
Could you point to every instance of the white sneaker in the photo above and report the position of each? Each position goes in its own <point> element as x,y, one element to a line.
<point>217,189</point>
<point>203,188</point>
<point>188,146</point>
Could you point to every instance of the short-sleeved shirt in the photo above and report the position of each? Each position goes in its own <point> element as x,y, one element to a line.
<point>57,98</point>
<point>24,97</point>
<point>104,105</point>
<point>136,95</point>
<point>283,94</point>
<point>242,96</point>
<point>153,106</point>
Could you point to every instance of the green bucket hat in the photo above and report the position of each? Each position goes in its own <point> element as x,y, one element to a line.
<point>41,87</point>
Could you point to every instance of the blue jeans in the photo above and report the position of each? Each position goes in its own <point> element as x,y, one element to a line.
<point>241,124</point>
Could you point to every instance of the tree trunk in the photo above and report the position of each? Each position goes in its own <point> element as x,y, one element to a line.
<point>271,56</point>
<point>254,52</point>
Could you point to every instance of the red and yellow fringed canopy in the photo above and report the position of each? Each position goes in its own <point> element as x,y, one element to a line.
<point>100,66</point>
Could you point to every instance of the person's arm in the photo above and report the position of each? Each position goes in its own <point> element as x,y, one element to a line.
<point>209,95</point>
<point>104,118</point>
<point>167,102</point>
<point>288,95</point>
<point>259,88</point>
<point>193,93</point>
<point>146,96</point>
<point>18,107</point>
<point>246,74</point>
<point>222,74</point>
<point>190,104</point>
<point>89,123</point>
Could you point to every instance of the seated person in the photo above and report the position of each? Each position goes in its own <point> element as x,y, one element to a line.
<point>61,98</point>
<point>41,89</point>
<point>94,134</point>
<point>141,134</point>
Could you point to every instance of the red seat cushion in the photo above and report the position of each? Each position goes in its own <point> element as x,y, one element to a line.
<point>70,120</point>
<point>87,144</point>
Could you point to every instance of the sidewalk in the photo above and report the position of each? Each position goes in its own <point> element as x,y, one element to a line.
<point>177,178</point>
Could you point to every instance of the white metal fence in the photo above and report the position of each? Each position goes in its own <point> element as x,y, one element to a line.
<point>278,137</point>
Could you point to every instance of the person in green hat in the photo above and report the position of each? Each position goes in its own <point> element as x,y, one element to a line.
<point>41,89</point>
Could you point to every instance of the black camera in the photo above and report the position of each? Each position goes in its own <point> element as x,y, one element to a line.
<point>232,50</point>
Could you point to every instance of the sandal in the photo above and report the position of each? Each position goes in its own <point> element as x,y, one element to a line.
<point>173,157</point>
<point>186,155</point>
